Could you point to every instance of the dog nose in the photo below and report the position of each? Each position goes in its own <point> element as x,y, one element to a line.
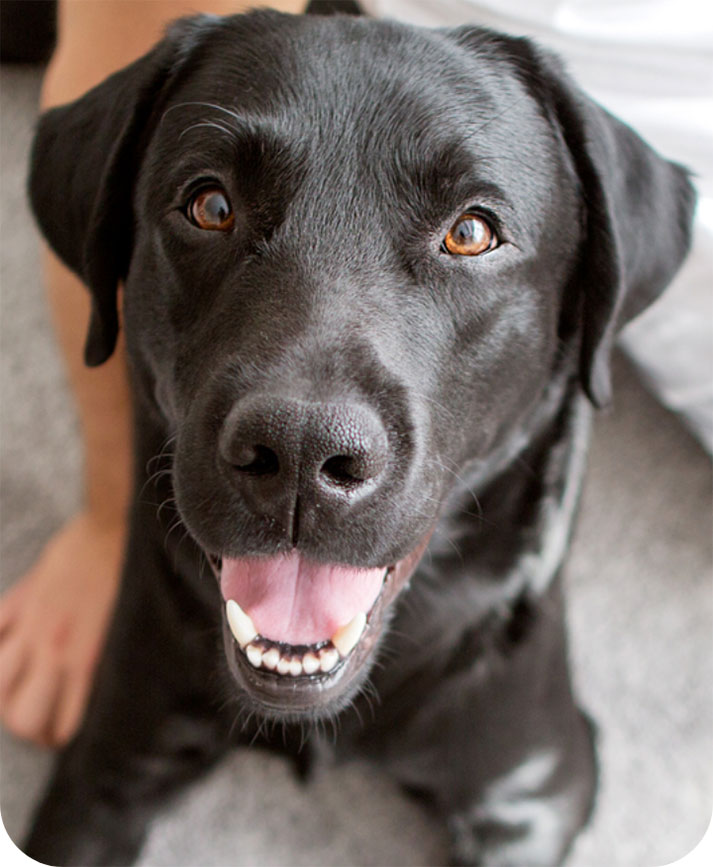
<point>278,451</point>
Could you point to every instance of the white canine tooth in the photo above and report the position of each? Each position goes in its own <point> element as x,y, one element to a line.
<point>270,658</point>
<point>346,637</point>
<point>241,625</point>
<point>254,655</point>
<point>283,665</point>
<point>295,666</point>
<point>310,663</point>
<point>328,659</point>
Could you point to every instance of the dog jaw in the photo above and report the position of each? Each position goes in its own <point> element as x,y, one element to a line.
<point>295,682</point>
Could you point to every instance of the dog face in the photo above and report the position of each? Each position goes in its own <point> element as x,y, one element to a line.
<point>354,254</point>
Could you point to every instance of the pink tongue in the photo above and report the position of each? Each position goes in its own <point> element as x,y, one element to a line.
<point>296,601</point>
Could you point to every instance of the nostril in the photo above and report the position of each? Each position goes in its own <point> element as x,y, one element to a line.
<point>340,471</point>
<point>274,450</point>
<point>347,471</point>
<point>257,460</point>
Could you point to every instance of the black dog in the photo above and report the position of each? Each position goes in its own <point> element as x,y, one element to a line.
<point>370,273</point>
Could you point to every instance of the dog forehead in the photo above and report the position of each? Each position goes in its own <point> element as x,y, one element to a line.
<point>381,109</point>
<point>371,120</point>
<point>322,79</point>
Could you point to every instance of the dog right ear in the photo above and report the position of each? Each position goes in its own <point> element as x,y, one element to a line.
<point>83,165</point>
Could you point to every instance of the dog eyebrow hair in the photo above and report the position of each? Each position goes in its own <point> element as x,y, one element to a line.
<point>252,137</point>
<point>239,126</point>
<point>208,123</point>
<point>453,175</point>
<point>194,103</point>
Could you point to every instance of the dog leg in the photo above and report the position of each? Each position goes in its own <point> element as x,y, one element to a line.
<point>153,721</point>
<point>530,814</point>
<point>112,778</point>
<point>498,745</point>
<point>531,751</point>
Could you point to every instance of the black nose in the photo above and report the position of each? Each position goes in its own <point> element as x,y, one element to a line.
<point>281,451</point>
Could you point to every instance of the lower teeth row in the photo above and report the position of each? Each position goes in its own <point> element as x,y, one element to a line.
<point>322,660</point>
<point>314,660</point>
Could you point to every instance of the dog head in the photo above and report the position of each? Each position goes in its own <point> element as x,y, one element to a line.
<point>354,254</point>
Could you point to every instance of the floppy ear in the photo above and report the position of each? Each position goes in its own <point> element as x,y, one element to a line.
<point>82,170</point>
<point>637,206</point>
<point>638,219</point>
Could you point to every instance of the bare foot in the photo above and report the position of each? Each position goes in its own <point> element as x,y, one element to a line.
<point>52,627</point>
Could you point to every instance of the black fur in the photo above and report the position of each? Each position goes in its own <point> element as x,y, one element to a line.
<point>348,148</point>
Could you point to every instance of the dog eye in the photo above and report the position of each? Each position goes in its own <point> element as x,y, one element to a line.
<point>210,209</point>
<point>470,235</point>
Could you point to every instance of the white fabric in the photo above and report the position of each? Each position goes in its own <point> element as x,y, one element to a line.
<point>650,62</point>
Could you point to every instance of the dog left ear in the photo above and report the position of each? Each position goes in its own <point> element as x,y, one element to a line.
<point>637,206</point>
<point>638,213</point>
<point>83,165</point>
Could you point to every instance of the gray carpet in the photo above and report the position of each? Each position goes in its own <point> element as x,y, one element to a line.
<point>640,611</point>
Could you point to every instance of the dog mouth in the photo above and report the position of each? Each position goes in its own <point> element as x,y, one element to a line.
<point>304,617</point>
<point>298,633</point>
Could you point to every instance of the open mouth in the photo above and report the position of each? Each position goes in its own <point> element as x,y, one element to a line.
<point>305,618</point>
<point>300,631</point>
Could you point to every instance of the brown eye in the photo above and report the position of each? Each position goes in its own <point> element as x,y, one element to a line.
<point>470,235</point>
<point>210,209</point>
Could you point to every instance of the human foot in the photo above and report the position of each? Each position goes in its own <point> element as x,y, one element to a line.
<point>52,626</point>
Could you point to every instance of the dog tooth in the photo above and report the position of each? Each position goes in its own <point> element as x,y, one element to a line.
<point>295,666</point>
<point>328,659</point>
<point>254,654</point>
<point>346,637</point>
<point>283,665</point>
<point>310,663</point>
<point>270,658</point>
<point>241,625</point>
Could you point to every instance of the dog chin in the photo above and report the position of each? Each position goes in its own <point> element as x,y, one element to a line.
<point>296,682</point>
<point>304,697</point>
